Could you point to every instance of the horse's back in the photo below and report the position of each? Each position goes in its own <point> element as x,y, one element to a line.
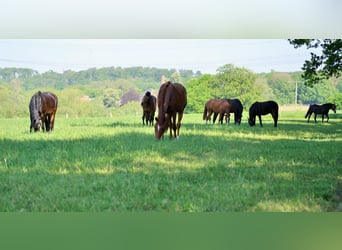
<point>149,102</point>
<point>236,105</point>
<point>172,97</point>
<point>264,108</point>
<point>49,102</point>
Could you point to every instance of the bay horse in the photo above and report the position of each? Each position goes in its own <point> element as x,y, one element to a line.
<point>219,106</point>
<point>236,108</point>
<point>43,108</point>
<point>149,105</point>
<point>320,109</point>
<point>172,100</point>
<point>263,108</point>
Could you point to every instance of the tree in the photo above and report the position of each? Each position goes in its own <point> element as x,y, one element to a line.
<point>283,87</point>
<point>323,66</point>
<point>199,91</point>
<point>111,98</point>
<point>235,82</point>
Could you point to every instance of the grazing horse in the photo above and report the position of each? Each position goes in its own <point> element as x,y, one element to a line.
<point>218,106</point>
<point>172,99</point>
<point>236,108</point>
<point>263,108</point>
<point>320,109</point>
<point>43,107</point>
<point>148,104</point>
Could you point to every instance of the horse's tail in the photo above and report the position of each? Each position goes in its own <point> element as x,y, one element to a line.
<point>205,113</point>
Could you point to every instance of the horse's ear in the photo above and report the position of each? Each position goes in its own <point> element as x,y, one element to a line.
<point>156,119</point>
<point>39,93</point>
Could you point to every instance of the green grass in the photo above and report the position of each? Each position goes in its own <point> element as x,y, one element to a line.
<point>112,164</point>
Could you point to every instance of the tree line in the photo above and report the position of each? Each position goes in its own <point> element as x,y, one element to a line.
<point>104,91</point>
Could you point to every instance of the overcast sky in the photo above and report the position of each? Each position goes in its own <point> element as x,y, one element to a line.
<point>206,55</point>
<point>53,34</point>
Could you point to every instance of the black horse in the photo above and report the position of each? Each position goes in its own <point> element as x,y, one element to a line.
<point>43,108</point>
<point>149,105</point>
<point>263,108</point>
<point>320,109</point>
<point>236,108</point>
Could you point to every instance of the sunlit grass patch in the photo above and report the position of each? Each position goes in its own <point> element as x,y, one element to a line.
<point>286,206</point>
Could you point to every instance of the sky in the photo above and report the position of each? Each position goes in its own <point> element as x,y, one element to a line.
<point>199,35</point>
<point>205,55</point>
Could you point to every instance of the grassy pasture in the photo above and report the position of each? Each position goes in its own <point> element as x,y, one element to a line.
<point>112,164</point>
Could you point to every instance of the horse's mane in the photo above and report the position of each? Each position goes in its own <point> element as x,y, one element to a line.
<point>36,105</point>
<point>162,96</point>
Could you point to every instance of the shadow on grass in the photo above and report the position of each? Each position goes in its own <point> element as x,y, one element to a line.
<point>133,172</point>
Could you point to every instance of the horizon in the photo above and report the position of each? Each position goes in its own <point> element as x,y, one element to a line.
<point>204,55</point>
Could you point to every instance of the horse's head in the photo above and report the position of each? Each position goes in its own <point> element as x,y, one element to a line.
<point>251,121</point>
<point>35,125</point>
<point>238,119</point>
<point>333,108</point>
<point>160,128</point>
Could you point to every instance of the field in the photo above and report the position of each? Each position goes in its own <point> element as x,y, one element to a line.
<point>115,164</point>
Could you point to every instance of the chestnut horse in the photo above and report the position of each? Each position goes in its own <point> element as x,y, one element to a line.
<point>43,108</point>
<point>148,104</point>
<point>172,99</point>
<point>263,108</point>
<point>219,106</point>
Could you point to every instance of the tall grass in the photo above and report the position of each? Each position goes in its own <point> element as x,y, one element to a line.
<point>115,164</point>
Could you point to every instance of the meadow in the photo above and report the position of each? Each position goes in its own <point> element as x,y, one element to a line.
<point>115,164</point>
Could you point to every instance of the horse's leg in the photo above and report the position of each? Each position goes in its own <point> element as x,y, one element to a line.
<point>208,116</point>
<point>43,123</point>
<point>180,116</point>
<point>227,118</point>
<point>260,120</point>
<point>327,117</point>
<point>47,123</point>
<point>221,118</point>
<point>52,120</point>
<point>146,118</point>
<point>173,125</point>
<point>315,117</point>
<point>214,118</point>
<point>275,118</point>
<point>309,115</point>
<point>150,119</point>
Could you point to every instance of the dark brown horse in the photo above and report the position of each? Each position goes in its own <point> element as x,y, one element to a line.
<point>320,109</point>
<point>236,108</point>
<point>148,104</point>
<point>263,108</point>
<point>222,107</point>
<point>172,99</point>
<point>43,107</point>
